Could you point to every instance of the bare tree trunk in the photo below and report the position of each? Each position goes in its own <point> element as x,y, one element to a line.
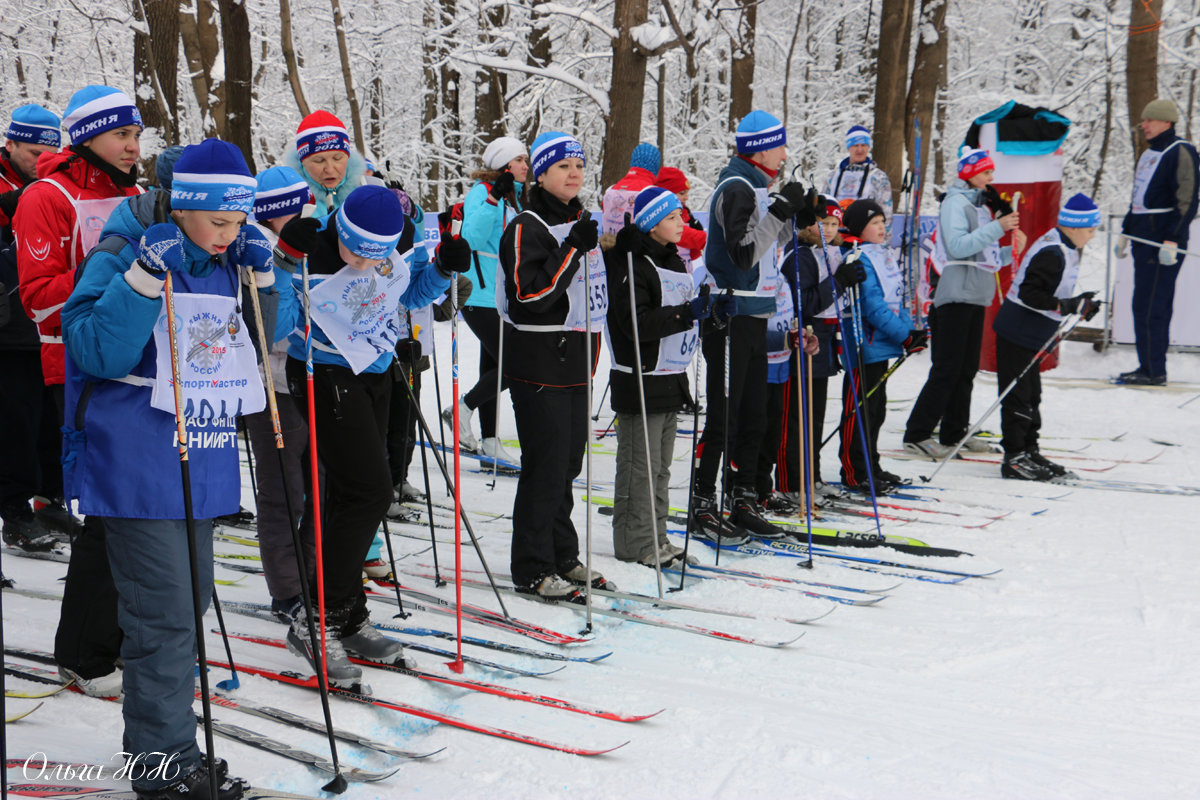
<point>491,85</point>
<point>376,137</point>
<point>1108,102</point>
<point>155,64</point>
<point>943,142</point>
<point>451,121</point>
<point>50,70</point>
<point>289,57</point>
<point>891,80</point>
<point>787,69</point>
<point>661,116</point>
<point>929,70</point>
<point>1191,101</point>
<point>16,40</point>
<point>624,124</point>
<point>539,55</point>
<point>1141,64</point>
<point>339,27</point>
<point>239,75</point>
<point>201,44</point>
<point>431,53</point>
<point>741,65</point>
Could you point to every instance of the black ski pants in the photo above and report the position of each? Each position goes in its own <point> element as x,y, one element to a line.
<point>485,324</point>
<point>956,332</point>
<point>874,409</point>
<point>30,440</point>
<point>1020,411</point>
<point>747,404</point>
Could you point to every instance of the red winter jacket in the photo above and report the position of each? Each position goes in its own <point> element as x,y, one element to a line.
<point>49,247</point>
<point>693,239</point>
<point>10,181</point>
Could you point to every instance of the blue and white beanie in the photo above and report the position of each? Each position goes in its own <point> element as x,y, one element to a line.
<point>212,176</point>
<point>280,192</point>
<point>651,206</point>
<point>551,147</point>
<point>759,131</point>
<point>96,109</point>
<point>370,222</point>
<point>33,124</point>
<point>1079,212</point>
<point>857,135</point>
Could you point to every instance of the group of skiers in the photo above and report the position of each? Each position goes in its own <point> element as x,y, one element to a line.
<point>144,324</point>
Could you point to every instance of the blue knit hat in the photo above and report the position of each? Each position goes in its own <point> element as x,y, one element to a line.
<point>550,148</point>
<point>281,191</point>
<point>212,176</point>
<point>35,125</point>
<point>857,135</point>
<point>1079,212</point>
<point>370,222</point>
<point>164,165</point>
<point>646,156</point>
<point>651,206</point>
<point>759,131</point>
<point>96,109</point>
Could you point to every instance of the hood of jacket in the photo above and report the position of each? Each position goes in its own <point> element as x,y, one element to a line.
<point>356,166</point>
<point>960,187</point>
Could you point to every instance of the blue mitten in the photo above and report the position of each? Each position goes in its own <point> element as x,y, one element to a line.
<point>253,250</point>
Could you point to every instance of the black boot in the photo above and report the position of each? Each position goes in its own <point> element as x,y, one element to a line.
<point>744,514</point>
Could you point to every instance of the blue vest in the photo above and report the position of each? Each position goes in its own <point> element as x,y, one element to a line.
<point>120,457</point>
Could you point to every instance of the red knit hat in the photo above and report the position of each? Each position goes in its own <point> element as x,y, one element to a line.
<point>319,132</point>
<point>673,180</point>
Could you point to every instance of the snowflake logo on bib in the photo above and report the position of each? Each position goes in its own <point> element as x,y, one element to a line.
<point>206,336</point>
<point>358,299</point>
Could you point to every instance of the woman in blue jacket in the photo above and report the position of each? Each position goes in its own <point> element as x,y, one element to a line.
<point>496,198</point>
<point>886,333</point>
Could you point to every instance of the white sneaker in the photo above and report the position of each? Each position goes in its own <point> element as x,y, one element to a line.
<point>928,448</point>
<point>104,686</point>
<point>466,439</point>
<point>492,447</point>
<point>978,444</point>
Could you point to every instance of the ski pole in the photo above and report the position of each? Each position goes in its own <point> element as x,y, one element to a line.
<point>1068,323</point>
<point>412,399</point>
<point>808,451</point>
<point>339,783</point>
<point>725,460</point>
<point>604,394</point>
<point>232,682</point>
<point>410,424</point>
<point>437,386</point>
<point>641,385</point>
<point>387,538</point>
<point>1158,245</point>
<point>457,664</point>
<point>587,512</point>
<point>190,528</point>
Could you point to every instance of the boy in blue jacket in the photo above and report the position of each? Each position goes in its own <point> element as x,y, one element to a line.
<point>120,452</point>
<point>886,332</point>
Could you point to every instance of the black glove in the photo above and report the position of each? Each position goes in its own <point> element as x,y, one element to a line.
<point>916,341</point>
<point>8,201</point>
<point>408,351</point>
<point>806,209</point>
<point>631,240</point>
<point>1079,304</point>
<point>694,224</point>
<point>502,186</point>
<point>992,199</point>
<point>725,306</point>
<point>849,273</point>
<point>454,254</point>
<point>584,234</point>
<point>297,239</point>
<point>702,304</point>
<point>787,200</point>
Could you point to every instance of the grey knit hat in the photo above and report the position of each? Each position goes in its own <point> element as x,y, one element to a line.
<point>1161,109</point>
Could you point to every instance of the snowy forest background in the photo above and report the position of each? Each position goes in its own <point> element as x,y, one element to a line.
<point>425,85</point>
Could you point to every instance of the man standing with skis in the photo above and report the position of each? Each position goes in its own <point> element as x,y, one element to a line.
<point>1163,206</point>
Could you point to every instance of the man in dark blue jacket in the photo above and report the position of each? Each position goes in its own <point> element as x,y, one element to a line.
<point>742,256</point>
<point>1163,207</point>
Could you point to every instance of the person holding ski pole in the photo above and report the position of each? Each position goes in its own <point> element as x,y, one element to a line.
<point>360,267</point>
<point>121,450</point>
<point>879,329</point>
<point>1165,201</point>
<point>667,309</point>
<point>972,220</point>
<point>1042,293</point>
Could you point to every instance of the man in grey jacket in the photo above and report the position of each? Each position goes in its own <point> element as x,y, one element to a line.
<point>969,230</point>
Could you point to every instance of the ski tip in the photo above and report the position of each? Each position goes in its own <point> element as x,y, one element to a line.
<point>581,751</point>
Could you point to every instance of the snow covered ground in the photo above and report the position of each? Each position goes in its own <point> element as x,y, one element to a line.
<point>1070,674</point>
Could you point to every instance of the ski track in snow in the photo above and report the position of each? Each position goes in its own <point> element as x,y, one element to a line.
<point>1068,675</point>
